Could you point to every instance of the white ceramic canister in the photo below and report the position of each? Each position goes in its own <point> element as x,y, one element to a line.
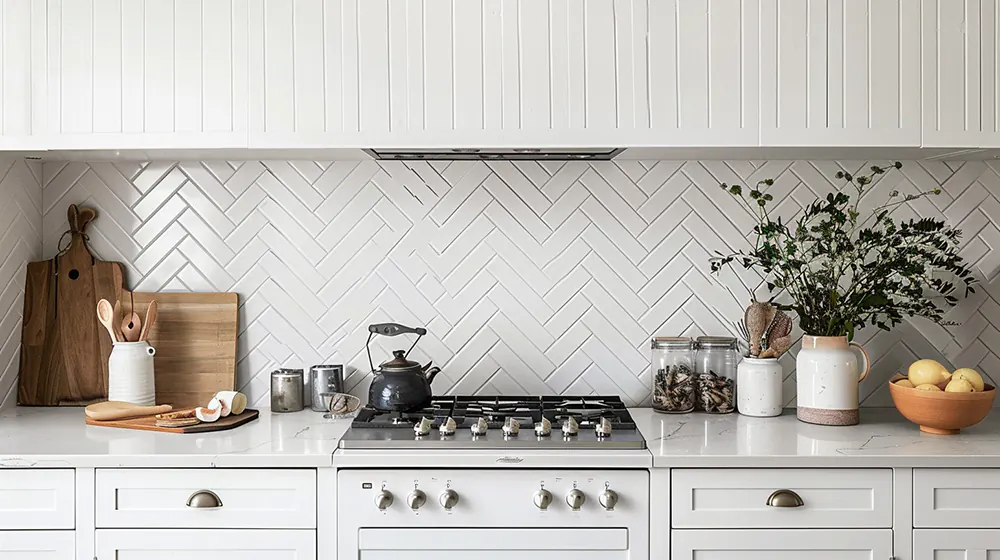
<point>130,373</point>
<point>827,378</point>
<point>758,387</point>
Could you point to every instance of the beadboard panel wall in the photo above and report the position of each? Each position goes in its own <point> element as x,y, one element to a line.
<point>507,72</point>
<point>20,243</point>
<point>531,277</point>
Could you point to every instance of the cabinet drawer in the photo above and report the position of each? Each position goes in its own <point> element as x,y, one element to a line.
<point>965,498</point>
<point>250,498</point>
<point>217,544</point>
<point>944,544</point>
<point>738,498</point>
<point>37,499</point>
<point>783,545</point>
<point>37,545</point>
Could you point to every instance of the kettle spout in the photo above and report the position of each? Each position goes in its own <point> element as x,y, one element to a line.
<point>430,372</point>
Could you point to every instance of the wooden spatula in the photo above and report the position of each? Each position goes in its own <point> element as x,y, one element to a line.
<point>131,327</point>
<point>118,410</point>
<point>147,325</point>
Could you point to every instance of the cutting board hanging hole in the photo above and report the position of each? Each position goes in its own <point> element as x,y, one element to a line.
<point>74,274</point>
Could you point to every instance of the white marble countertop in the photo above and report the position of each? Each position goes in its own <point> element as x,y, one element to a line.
<point>884,438</point>
<point>59,437</point>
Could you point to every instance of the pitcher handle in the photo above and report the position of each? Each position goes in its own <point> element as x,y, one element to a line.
<point>868,362</point>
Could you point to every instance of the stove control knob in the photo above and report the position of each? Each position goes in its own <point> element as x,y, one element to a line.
<point>416,499</point>
<point>448,499</point>
<point>608,499</point>
<point>383,499</point>
<point>575,499</point>
<point>543,499</point>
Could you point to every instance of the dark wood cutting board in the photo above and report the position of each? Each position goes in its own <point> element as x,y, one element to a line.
<point>148,423</point>
<point>64,350</point>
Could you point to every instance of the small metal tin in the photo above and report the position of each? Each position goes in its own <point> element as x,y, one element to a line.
<point>287,390</point>
<point>324,380</point>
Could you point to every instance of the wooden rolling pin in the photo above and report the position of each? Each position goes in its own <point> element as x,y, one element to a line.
<point>118,410</point>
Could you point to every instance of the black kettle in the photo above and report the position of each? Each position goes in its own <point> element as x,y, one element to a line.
<point>399,385</point>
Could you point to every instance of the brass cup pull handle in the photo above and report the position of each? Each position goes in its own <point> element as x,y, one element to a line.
<point>784,499</point>
<point>204,499</point>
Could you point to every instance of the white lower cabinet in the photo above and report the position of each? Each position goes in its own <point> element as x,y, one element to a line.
<point>956,544</point>
<point>217,544</point>
<point>37,545</point>
<point>794,544</point>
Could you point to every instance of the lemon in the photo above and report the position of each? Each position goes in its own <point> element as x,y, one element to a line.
<point>970,375</point>
<point>905,383</point>
<point>959,386</point>
<point>928,387</point>
<point>927,372</point>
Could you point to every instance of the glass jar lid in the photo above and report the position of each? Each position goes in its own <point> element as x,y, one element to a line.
<point>722,342</point>
<point>672,343</point>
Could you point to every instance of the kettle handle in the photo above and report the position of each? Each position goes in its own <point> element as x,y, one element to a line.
<point>391,329</point>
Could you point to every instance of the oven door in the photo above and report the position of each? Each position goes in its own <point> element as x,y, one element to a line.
<point>462,543</point>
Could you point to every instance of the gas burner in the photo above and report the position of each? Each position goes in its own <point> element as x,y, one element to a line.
<point>584,421</point>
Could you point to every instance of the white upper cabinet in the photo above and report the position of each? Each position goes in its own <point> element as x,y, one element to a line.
<point>961,57</point>
<point>840,72</point>
<point>22,61</point>
<point>147,74</point>
<point>514,73</point>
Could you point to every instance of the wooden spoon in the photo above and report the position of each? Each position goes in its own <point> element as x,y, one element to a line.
<point>132,328</point>
<point>105,314</point>
<point>116,322</point>
<point>147,325</point>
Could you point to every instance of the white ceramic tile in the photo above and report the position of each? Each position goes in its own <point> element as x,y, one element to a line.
<point>532,277</point>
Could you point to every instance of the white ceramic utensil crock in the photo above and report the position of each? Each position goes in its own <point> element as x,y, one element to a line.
<point>758,387</point>
<point>827,376</point>
<point>130,373</point>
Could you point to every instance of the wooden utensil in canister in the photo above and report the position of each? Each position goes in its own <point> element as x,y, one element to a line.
<point>105,314</point>
<point>131,328</point>
<point>147,325</point>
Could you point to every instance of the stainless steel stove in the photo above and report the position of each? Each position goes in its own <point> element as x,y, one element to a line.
<point>458,422</point>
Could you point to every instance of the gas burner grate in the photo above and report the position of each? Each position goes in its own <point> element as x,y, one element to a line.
<point>466,410</point>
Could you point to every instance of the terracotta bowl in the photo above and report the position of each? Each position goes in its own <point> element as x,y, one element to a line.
<point>940,412</point>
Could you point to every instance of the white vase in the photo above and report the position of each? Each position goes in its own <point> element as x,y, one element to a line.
<point>130,373</point>
<point>827,376</point>
<point>758,387</point>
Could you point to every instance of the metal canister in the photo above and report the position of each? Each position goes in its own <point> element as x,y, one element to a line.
<point>324,381</point>
<point>287,388</point>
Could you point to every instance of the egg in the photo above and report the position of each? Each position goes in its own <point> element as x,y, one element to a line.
<point>927,372</point>
<point>905,383</point>
<point>970,375</point>
<point>207,414</point>
<point>959,386</point>
<point>928,387</point>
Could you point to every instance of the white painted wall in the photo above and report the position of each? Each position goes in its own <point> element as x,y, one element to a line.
<point>530,277</point>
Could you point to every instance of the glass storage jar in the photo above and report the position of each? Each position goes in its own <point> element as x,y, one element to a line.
<point>715,367</point>
<point>672,369</point>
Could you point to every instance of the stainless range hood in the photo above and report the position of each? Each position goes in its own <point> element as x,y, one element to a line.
<point>583,154</point>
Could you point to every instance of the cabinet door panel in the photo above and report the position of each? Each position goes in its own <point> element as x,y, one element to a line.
<point>782,545</point>
<point>840,73</point>
<point>167,544</point>
<point>961,68</point>
<point>147,74</point>
<point>36,545</point>
<point>956,544</point>
<point>22,47</point>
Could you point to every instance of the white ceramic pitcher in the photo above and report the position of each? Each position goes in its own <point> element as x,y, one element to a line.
<point>827,378</point>
<point>130,373</point>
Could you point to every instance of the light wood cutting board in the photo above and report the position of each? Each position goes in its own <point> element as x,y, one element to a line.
<point>195,340</point>
<point>148,423</point>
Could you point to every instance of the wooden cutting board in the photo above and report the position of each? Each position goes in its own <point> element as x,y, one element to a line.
<point>148,423</point>
<point>64,350</point>
<point>195,341</point>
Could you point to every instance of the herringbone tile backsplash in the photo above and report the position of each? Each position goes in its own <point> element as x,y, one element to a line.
<point>20,243</point>
<point>530,277</point>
